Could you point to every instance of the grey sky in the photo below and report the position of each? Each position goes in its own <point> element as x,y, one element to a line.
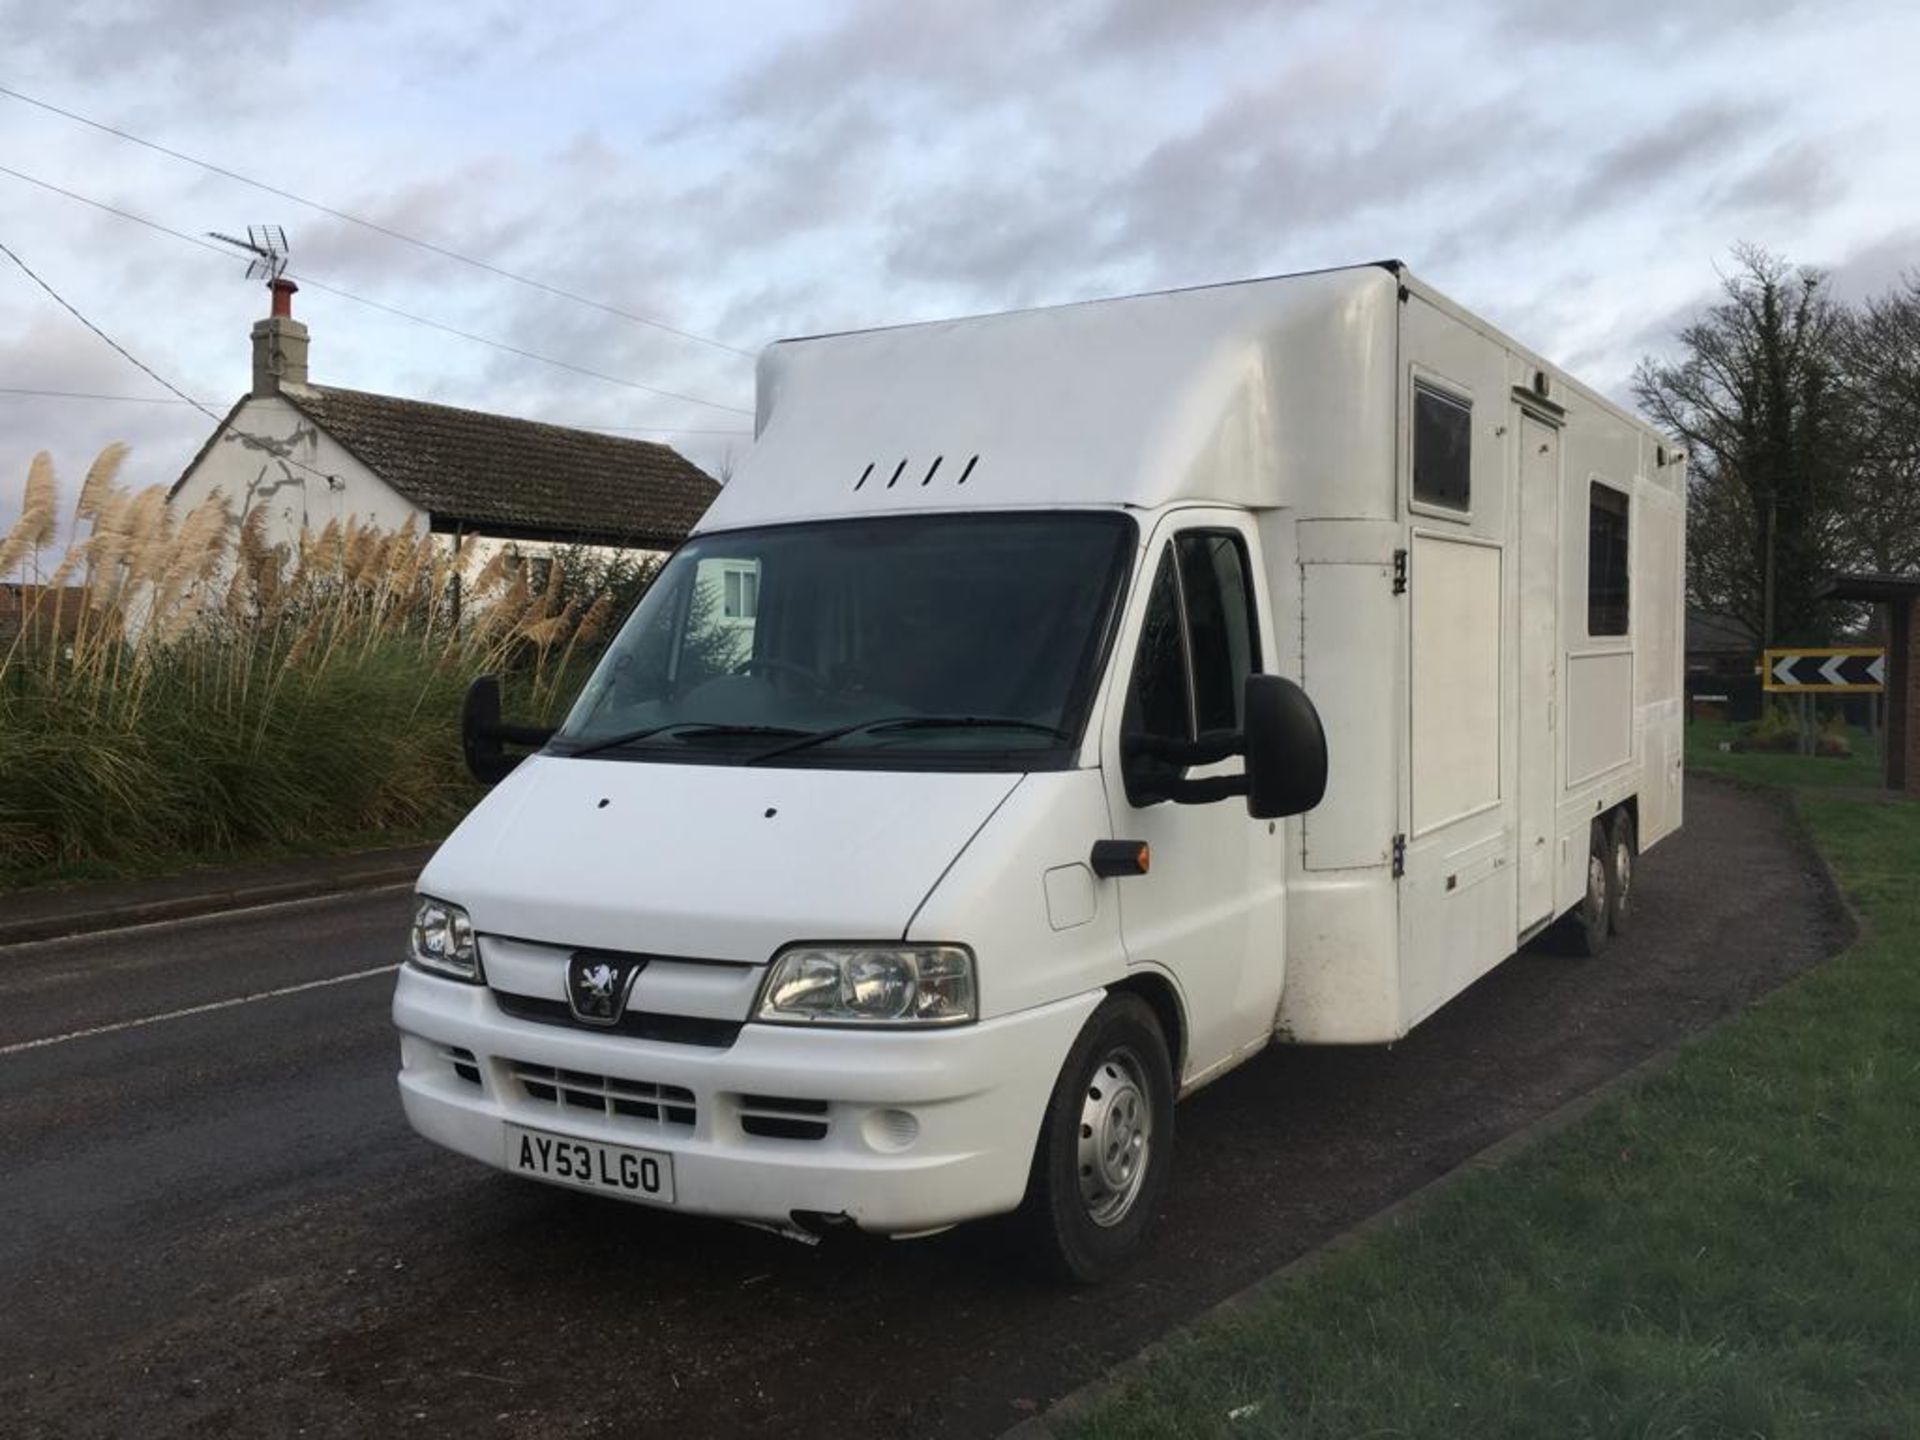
<point>759,169</point>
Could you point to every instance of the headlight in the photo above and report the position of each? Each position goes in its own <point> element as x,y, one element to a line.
<point>442,940</point>
<point>869,985</point>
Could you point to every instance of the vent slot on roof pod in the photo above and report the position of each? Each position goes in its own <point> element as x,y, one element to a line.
<point>933,469</point>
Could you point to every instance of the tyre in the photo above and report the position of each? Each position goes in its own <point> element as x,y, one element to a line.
<point>1623,851</point>
<point>1105,1150</point>
<point>1588,922</point>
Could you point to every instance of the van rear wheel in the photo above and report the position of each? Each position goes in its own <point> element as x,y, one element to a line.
<point>1106,1145</point>
<point>1588,924</point>
<point>1625,849</point>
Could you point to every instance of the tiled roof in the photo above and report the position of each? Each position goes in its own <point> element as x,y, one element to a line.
<point>495,475</point>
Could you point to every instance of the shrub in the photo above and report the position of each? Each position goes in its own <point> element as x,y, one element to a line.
<point>1777,731</point>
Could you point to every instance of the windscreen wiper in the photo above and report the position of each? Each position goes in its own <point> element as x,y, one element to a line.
<point>696,727</point>
<point>909,722</point>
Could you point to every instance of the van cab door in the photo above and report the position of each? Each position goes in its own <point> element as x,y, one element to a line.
<point>1210,909</point>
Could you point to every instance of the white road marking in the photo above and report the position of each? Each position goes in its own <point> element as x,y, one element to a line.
<point>226,1004</point>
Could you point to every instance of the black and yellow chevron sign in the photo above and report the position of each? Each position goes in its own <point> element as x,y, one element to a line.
<point>1841,670</point>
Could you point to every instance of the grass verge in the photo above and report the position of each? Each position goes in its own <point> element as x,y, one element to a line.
<point>1861,769</point>
<point>1726,1250</point>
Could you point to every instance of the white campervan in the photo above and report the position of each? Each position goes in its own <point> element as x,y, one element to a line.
<point>924,832</point>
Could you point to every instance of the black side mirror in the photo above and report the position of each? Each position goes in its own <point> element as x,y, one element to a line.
<point>484,739</point>
<point>1286,749</point>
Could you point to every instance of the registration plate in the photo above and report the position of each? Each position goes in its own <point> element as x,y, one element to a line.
<point>590,1165</point>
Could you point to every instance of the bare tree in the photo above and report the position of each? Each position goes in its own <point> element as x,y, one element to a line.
<point>1880,361</point>
<point>1757,402</point>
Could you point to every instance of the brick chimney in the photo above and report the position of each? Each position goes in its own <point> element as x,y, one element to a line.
<point>279,344</point>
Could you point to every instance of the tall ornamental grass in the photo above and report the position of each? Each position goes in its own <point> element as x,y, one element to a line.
<point>179,685</point>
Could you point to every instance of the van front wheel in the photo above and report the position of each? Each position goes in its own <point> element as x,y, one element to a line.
<point>1106,1145</point>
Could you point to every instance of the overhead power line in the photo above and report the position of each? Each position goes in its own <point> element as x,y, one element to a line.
<point>24,391</point>
<point>220,421</point>
<point>371,304</point>
<point>138,363</point>
<point>32,393</point>
<point>121,350</point>
<point>375,226</point>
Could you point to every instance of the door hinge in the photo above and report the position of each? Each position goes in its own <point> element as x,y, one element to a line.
<point>1399,856</point>
<point>1399,572</point>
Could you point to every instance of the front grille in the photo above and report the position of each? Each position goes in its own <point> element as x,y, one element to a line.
<point>775,1117</point>
<point>464,1065</point>
<point>674,1029</point>
<point>636,1100</point>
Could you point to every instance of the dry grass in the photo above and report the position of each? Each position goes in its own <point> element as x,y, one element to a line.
<point>182,684</point>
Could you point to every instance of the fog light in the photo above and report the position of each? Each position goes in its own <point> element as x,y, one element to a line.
<point>890,1129</point>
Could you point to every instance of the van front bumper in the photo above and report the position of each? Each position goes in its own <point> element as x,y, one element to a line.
<point>974,1095</point>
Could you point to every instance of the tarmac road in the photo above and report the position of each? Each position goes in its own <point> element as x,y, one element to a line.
<point>217,1222</point>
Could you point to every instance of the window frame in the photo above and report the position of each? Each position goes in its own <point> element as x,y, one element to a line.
<point>1169,553</point>
<point>1597,482</point>
<point>1249,598</point>
<point>1421,378</point>
<point>1168,558</point>
<point>739,593</point>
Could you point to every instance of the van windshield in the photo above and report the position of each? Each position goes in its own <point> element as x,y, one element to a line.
<point>965,641</point>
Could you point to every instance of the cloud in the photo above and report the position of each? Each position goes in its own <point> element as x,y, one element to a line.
<point>1796,178</point>
<point>215,42</point>
<point>51,352</point>
<point>1261,179</point>
<point>1686,143</point>
<point>1879,265</point>
<point>1135,27</point>
<point>764,169</point>
<point>1636,24</point>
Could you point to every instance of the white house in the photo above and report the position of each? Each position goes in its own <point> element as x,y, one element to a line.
<point>311,454</point>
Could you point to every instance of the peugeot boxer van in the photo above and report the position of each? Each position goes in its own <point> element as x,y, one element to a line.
<point>1056,709</point>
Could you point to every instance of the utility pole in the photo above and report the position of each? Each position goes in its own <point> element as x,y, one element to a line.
<point>1767,584</point>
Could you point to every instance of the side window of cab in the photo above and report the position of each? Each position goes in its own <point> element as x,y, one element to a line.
<point>1198,643</point>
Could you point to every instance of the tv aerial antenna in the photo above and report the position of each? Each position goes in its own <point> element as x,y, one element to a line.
<point>265,248</point>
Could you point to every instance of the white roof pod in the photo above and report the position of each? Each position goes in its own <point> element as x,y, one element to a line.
<point>1230,393</point>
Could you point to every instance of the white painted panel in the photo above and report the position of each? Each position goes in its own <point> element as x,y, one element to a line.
<point>617,856</point>
<point>1659,580</point>
<point>1455,592</point>
<point>317,483</point>
<point>1349,643</point>
<point>1599,714</point>
<point>1343,960</point>
<point>521,967</point>
<point>1273,392</point>
<point>1658,524</point>
<point>1457,909</point>
<point>718,992</point>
